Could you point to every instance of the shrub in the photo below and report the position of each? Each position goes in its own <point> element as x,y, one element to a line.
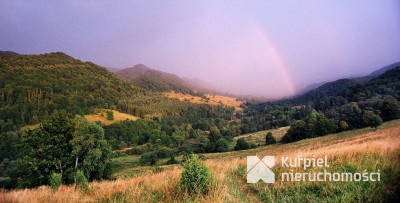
<point>81,181</point>
<point>110,115</point>
<point>371,119</point>
<point>195,176</point>
<point>55,181</point>
<point>269,139</point>
<point>164,152</point>
<point>343,126</point>
<point>149,157</point>
<point>221,145</point>
<point>242,144</point>
<point>172,159</point>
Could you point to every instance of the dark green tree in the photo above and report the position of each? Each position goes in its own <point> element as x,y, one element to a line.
<point>242,144</point>
<point>269,139</point>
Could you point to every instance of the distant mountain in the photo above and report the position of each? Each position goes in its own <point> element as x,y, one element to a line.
<point>384,69</point>
<point>154,80</point>
<point>8,53</point>
<point>311,87</point>
<point>328,88</point>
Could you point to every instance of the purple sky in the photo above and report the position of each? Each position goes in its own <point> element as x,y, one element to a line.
<point>265,48</point>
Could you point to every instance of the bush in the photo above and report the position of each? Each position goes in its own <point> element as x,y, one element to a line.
<point>195,176</point>
<point>81,181</point>
<point>172,159</point>
<point>164,152</point>
<point>269,139</point>
<point>242,144</point>
<point>149,157</point>
<point>221,145</point>
<point>110,115</point>
<point>55,181</point>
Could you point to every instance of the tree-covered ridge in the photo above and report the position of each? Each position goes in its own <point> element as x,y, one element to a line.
<point>327,89</point>
<point>339,107</point>
<point>154,80</point>
<point>32,87</point>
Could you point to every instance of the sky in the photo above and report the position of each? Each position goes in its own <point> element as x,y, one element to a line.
<point>263,48</point>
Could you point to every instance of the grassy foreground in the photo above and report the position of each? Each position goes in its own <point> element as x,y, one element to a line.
<point>351,151</point>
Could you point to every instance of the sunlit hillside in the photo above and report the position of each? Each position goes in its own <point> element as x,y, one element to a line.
<point>101,116</point>
<point>207,99</point>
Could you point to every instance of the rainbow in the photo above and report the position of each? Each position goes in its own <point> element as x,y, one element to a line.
<point>275,54</point>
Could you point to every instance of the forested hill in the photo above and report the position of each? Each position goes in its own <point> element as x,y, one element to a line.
<point>327,89</point>
<point>311,94</point>
<point>154,80</point>
<point>34,86</point>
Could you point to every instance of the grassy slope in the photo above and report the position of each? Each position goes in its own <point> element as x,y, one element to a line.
<point>213,99</point>
<point>102,117</point>
<point>353,151</point>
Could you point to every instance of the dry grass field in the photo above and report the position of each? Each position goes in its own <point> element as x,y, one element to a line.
<point>358,150</point>
<point>211,99</point>
<point>102,117</point>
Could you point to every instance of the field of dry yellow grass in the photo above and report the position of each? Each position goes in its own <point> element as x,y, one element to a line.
<point>357,150</point>
<point>211,99</point>
<point>102,117</point>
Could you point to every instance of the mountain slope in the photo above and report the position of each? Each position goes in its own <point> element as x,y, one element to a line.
<point>362,80</point>
<point>33,86</point>
<point>327,89</point>
<point>154,80</point>
<point>384,69</point>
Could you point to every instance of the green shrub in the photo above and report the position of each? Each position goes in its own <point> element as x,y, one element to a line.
<point>242,144</point>
<point>195,176</point>
<point>110,115</point>
<point>221,145</point>
<point>269,139</point>
<point>172,159</point>
<point>149,157</point>
<point>164,152</point>
<point>55,181</point>
<point>81,181</point>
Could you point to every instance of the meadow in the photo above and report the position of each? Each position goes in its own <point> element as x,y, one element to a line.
<point>209,99</point>
<point>369,149</point>
<point>101,116</point>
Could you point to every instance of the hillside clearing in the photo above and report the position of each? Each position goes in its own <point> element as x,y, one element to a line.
<point>210,99</point>
<point>355,150</point>
<point>102,117</point>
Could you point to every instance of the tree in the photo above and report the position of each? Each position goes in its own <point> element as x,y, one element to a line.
<point>390,109</point>
<point>242,144</point>
<point>353,115</point>
<point>149,157</point>
<point>88,144</point>
<point>61,145</point>
<point>269,139</point>
<point>371,119</point>
<point>44,151</point>
<point>221,145</point>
